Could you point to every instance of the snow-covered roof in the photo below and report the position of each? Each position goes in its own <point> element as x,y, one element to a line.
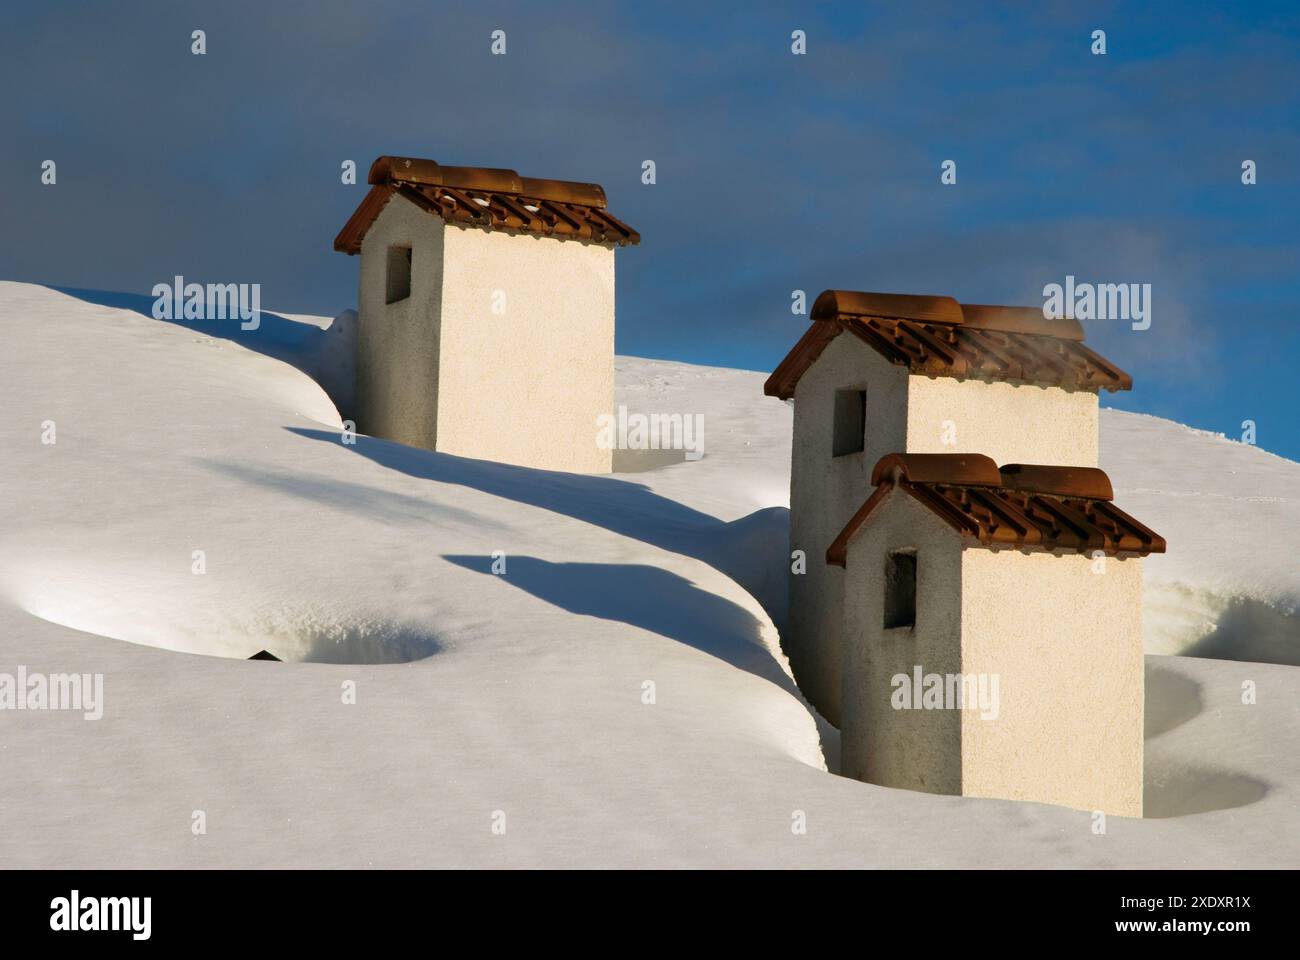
<point>533,693</point>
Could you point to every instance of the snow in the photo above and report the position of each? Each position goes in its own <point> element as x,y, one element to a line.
<point>1229,586</point>
<point>524,695</point>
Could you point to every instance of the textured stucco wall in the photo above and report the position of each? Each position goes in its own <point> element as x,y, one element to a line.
<point>441,370</point>
<point>397,343</point>
<point>1012,423</point>
<point>824,493</point>
<point>910,749</point>
<point>1066,643</point>
<point>526,386</point>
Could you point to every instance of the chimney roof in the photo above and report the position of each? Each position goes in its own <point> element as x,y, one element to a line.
<point>939,337</point>
<point>1019,505</point>
<point>487,197</point>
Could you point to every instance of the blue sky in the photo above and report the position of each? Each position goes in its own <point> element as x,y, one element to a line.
<point>775,172</point>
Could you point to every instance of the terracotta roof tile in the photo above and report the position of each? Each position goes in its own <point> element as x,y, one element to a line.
<point>938,337</point>
<point>494,199</point>
<point>1019,505</point>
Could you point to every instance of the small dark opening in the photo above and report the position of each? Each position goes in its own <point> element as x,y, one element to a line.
<point>399,274</point>
<point>850,422</point>
<point>900,589</point>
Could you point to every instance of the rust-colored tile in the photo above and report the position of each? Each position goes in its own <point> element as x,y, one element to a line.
<point>487,197</point>
<point>1019,505</point>
<point>937,336</point>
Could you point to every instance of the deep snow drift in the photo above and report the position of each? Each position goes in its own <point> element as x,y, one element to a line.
<point>616,696</point>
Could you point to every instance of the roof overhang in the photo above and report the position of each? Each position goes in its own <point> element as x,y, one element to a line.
<point>937,336</point>
<point>1026,506</point>
<point>489,197</point>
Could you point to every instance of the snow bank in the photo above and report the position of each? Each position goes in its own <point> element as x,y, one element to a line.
<point>616,693</point>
